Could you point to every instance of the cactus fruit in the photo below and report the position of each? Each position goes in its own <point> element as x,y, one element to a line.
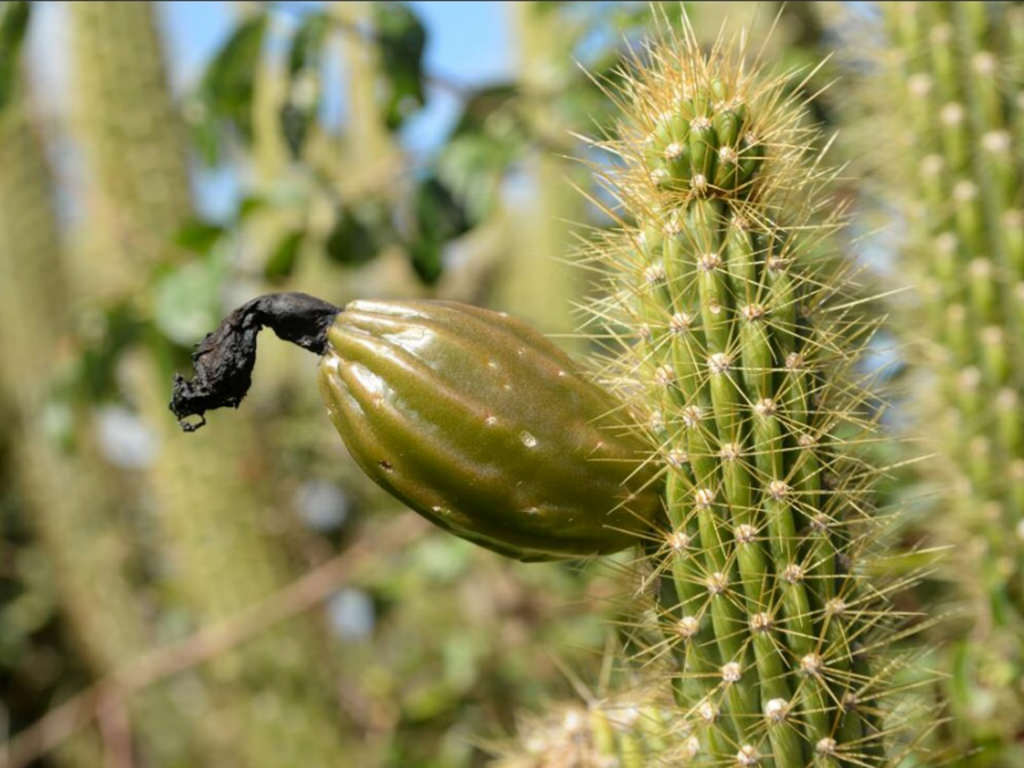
<point>732,334</point>
<point>470,417</point>
<point>958,83</point>
<point>482,425</point>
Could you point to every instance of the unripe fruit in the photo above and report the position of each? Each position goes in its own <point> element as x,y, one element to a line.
<point>482,425</point>
<point>470,417</point>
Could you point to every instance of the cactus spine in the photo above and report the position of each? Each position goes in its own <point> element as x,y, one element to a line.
<point>724,302</point>
<point>960,75</point>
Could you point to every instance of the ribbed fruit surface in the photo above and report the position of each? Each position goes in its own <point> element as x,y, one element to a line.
<point>482,425</point>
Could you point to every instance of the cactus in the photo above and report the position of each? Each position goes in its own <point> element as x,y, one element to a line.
<point>69,497</point>
<point>731,329</point>
<point>733,332</point>
<point>624,732</point>
<point>538,283</point>
<point>956,82</point>
<point>279,707</point>
<point>124,108</point>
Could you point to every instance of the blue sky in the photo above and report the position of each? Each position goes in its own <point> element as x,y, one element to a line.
<point>467,42</point>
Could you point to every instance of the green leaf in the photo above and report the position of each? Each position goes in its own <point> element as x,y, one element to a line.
<point>187,301</point>
<point>307,43</point>
<point>57,421</point>
<point>426,259</point>
<point>440,559</point>
<point>294,123</point>
<point>249,205</point>
<point>228,84</point>
<point>198,235</point>
<point>483,103</point>
<point>472,166</point>
<point>95,377</point>
<point>13,25</point>
<point>439,216</point>
<point>351,240</point>
<point>488,139</point>
<point>283,258</point>
<point>302,103</point>
<point>204,132</point>
<point>376,214</point>
<point>402,39</point>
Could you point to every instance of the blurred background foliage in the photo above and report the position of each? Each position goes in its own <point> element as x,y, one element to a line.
<point>138,206</point>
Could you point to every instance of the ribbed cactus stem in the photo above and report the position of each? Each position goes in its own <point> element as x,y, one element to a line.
<point>727,282</point>
<point>123,130</point>
<point>982,234</point>
<point>962,67</point>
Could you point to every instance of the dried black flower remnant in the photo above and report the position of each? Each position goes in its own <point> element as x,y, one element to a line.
<point>223,361</point>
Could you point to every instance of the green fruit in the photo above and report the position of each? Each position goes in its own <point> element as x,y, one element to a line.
<point>470,417</point>
<point>483,426</point>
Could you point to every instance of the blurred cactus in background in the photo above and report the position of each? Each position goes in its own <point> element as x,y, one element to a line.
<point>950,95</point>
<point>133,141</point>
<point>66,494</point>
<point>268,705</point>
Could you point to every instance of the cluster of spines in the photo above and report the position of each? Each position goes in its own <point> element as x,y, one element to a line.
<point>606,734</point>
<point>700,145</point>
<point>963,70</point>
<point>721,297</point>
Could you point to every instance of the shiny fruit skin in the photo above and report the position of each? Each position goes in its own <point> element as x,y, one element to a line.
<point>482,425</point>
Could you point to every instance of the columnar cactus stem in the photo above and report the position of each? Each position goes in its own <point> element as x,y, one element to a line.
<point>962,67</point>
<point>138,174</point>
<point>71,498</point>
<point>740,354</point>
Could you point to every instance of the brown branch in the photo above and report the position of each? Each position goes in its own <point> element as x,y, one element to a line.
<point>61,722</point>
<point>115,731</point>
